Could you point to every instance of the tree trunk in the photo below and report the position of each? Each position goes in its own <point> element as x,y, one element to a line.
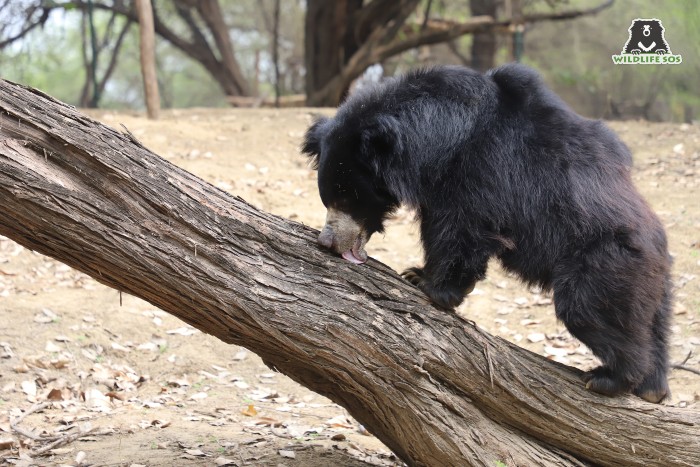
<point>329,42</point>
<point>484,44</point>
<point>225,70</point>
<point>213,16</point>
<point>432,386</point>
<point>343,38</point>
<point>148,58</point>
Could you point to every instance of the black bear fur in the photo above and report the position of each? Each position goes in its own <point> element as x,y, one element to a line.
<point>498,165</point>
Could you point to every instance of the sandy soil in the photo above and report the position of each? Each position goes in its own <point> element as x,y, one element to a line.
<point>146,389</point>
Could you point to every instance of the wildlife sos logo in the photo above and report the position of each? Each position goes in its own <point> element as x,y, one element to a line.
<point>646,45</point>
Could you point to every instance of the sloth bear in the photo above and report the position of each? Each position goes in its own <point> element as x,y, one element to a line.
<point>497,165</point>
<point>646,36</point>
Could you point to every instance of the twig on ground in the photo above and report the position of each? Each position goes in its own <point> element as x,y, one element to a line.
<point>681,365</point>
<point>69,439</point>
<point>14,424</point>
<point>686,368</point>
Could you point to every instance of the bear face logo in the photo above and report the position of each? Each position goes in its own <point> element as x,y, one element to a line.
<point>646,37</point>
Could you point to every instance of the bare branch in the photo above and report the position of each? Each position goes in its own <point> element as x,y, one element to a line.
<point>383,43</point>
<point>444,30</point>
<point>198,48</point>
<point>29,24</point>
<point>115,55</point>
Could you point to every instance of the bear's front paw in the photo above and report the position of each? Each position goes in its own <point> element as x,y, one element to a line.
<point>661,52</point>
<point>413,275</point>
<point>635,51</point>
<point>448,299</point>
<point>602,381</point>
<point>444,298</point>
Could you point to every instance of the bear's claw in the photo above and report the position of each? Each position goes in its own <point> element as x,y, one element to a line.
<point>413,275</point>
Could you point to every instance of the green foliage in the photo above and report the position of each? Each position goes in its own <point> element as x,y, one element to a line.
<point>45,59</point>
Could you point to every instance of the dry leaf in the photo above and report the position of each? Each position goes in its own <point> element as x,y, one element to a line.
<point>535,337</point>
<point>6,350</point>
<point>221,461</point>
<point>288,454</point>
<point>120,348</point>
<point>555,351</point>
<point>160,423</point>
<point>178,382</point>
<point>95,400</point>
<point>52,348</point>
<point>61,451</point>
<point>267,421</point>
<point>7,443</point>
<point>29,388</point>
<point>195,452</point>
<point>183,331</point>
<point>58,395</point>
<point>250,411</point>
<point>241,384</point>
<point>116,395</point>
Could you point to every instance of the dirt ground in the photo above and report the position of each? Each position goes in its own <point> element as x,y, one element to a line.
<point>139,387</point>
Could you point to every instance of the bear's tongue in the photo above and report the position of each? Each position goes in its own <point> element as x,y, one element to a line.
<point>357,253</point>
<point>350,256</point>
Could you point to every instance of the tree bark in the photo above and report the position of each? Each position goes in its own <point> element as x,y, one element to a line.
<point>484,43</point>
<point>148,58</point>
<point>431,385</point>
<point>329,42</point>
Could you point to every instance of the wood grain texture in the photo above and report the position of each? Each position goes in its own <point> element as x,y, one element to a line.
<point>432,386</point>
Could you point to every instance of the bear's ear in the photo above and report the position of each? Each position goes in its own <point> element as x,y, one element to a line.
<point>518,82</point>
<point>381,137</point>
<point>311,146</point>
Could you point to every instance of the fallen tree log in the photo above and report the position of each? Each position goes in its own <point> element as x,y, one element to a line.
<point>432,386</point>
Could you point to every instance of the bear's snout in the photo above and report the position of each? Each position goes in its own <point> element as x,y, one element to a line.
<point>345,236</point>
<point>325,238</point>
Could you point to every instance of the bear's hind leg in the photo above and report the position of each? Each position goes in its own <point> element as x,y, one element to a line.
<point>654,387</point>
<point>621,371</point>
<point>600,297</point>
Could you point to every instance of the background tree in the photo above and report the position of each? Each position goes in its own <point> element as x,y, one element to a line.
<point>206,39</point>
<point>344,38</point>
<point>484,43</point>
<point>21,17</point>
<point>148,58</point>
<point>93,47</point>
